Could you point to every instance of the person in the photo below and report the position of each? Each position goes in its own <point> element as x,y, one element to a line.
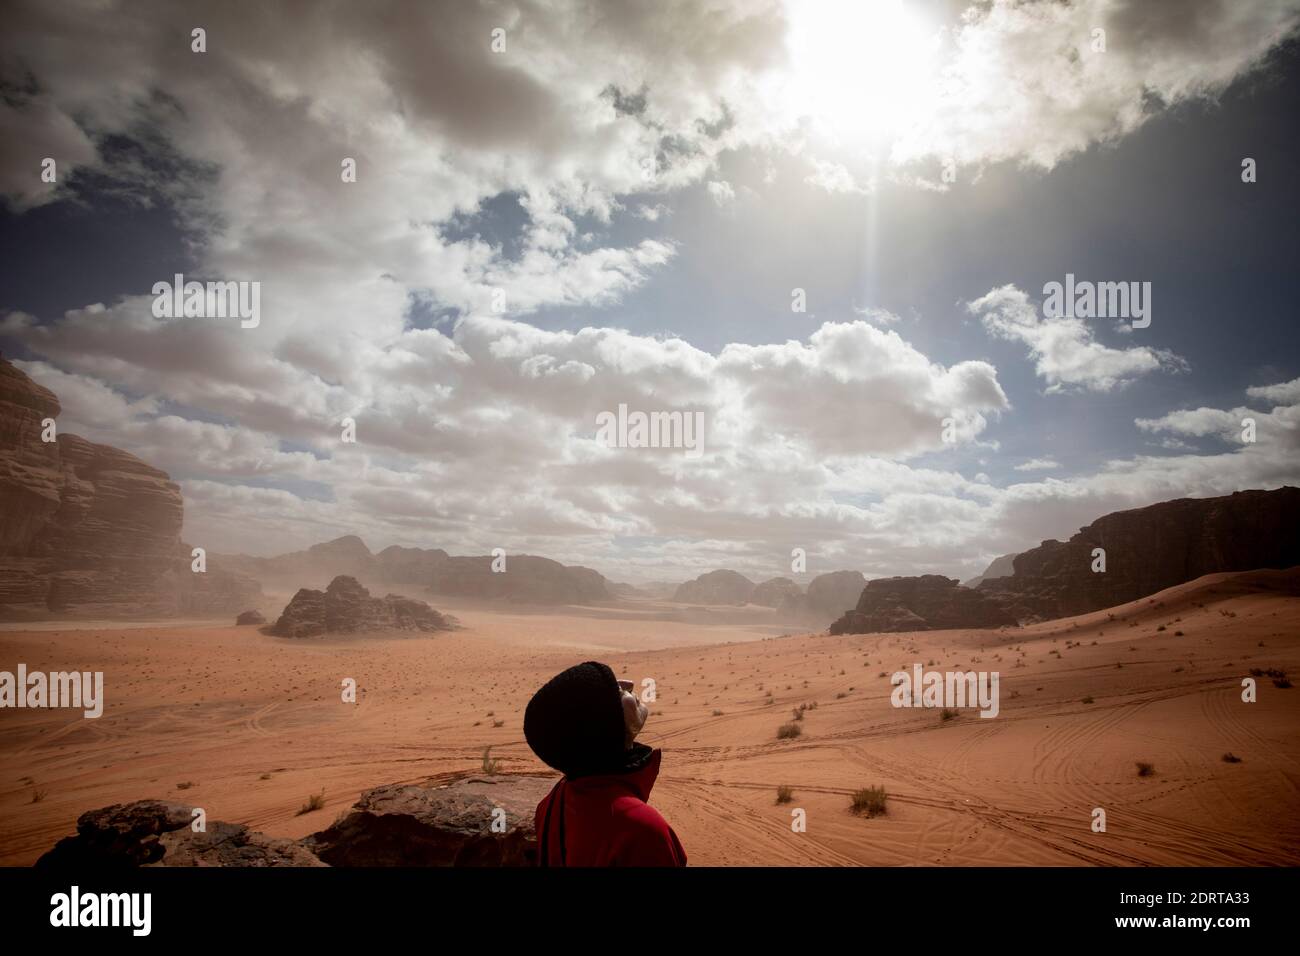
<point>583,722</point>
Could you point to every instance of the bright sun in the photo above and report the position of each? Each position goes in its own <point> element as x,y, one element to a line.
<point>860,69</point>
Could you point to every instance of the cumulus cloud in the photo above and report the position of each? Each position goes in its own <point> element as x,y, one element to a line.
<point>1038,464</point>
<point>1034,83</point>
<point>481,431</point>
<point>1066,354</point>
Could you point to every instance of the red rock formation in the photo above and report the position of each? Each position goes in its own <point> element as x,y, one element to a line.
<point>1146,550</point>
<point>1150,549</point>
<point>345,607</point>
<point>88,528</point>
<point>926,603</point>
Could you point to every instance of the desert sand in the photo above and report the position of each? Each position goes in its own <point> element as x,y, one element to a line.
<point>247,726</point>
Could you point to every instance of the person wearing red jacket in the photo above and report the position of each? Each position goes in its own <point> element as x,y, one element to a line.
<point>584,722</point>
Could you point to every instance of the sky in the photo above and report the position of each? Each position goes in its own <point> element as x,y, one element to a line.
<point>830,228</point>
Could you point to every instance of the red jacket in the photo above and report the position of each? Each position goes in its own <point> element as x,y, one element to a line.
<point>605,821</point>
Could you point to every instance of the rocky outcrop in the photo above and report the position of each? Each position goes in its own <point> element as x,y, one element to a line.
<point>155,833</point>
<point>250,618</point>
<point>1150,549</point>
<point>88,529</point>
<point>1000,567</point>
<point>447,824</point>
<point>470,821</point>
<point>926,603</point>
<point>716,587</point>
<point>345,607</point>
<point>774,592</point>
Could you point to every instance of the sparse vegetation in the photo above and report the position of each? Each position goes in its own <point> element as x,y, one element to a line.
<point>869,800</point>
<point>1145,769</point>
<point>185,786</point>
<point>717,713</point>
<point>498,723</point>
<point>490,764</point>
<point>1087,700</point>
<point>1231,757</point>
<point>788,731</point>
<point>314,802</point>
<point>38,794</point>
<point>947,714</point>
<point>784,794</point>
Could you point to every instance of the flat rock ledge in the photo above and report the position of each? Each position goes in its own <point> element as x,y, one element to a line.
<point>468,821</point>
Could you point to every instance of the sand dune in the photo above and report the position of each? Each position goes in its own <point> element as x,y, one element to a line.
<point>253,724</point>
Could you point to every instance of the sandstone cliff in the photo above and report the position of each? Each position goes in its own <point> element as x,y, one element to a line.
<point>88,529</point>
<point>1150,549</point>
<point>1146,550</point>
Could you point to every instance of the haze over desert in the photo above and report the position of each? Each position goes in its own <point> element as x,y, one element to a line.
<point>250,725</point>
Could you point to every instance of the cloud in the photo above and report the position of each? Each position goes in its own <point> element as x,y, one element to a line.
<point>721,192</point>
<point>834,178</point>
<point>479,432</point>
<point>1064,351</point>
<point>1030,83</point>
<point>1038,464</point>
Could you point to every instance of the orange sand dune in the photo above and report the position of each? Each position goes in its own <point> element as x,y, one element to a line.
<point>251,725</point>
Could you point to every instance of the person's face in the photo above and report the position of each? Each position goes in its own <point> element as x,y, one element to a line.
<point>634,712</point>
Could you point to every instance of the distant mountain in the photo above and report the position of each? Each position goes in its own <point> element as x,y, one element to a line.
<point>828,596</point>
<point>526,578</point>
<point>1000,568</point>
<point>716,587</point>
<point>774,592</point>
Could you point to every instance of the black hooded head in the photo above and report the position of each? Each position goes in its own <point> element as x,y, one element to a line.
<point>575,722</point>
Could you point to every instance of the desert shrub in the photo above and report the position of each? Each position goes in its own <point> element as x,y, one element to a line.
<point>869,800</point>
<point>1145,769</point>
<point>314,802</point>
<point>1231,757</point>
<point>784,794</point>
<point>947,714</point>
<point>185,786</point>
<point>1087,700</point>
<point>38,794</point>
<point>788,731</point>
<point>498,723</point>
<point>491,764</point>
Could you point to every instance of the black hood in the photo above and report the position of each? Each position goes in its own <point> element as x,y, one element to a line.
<point>575,723</point>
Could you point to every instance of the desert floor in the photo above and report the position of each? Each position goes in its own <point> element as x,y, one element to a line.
<point>247,726</point>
